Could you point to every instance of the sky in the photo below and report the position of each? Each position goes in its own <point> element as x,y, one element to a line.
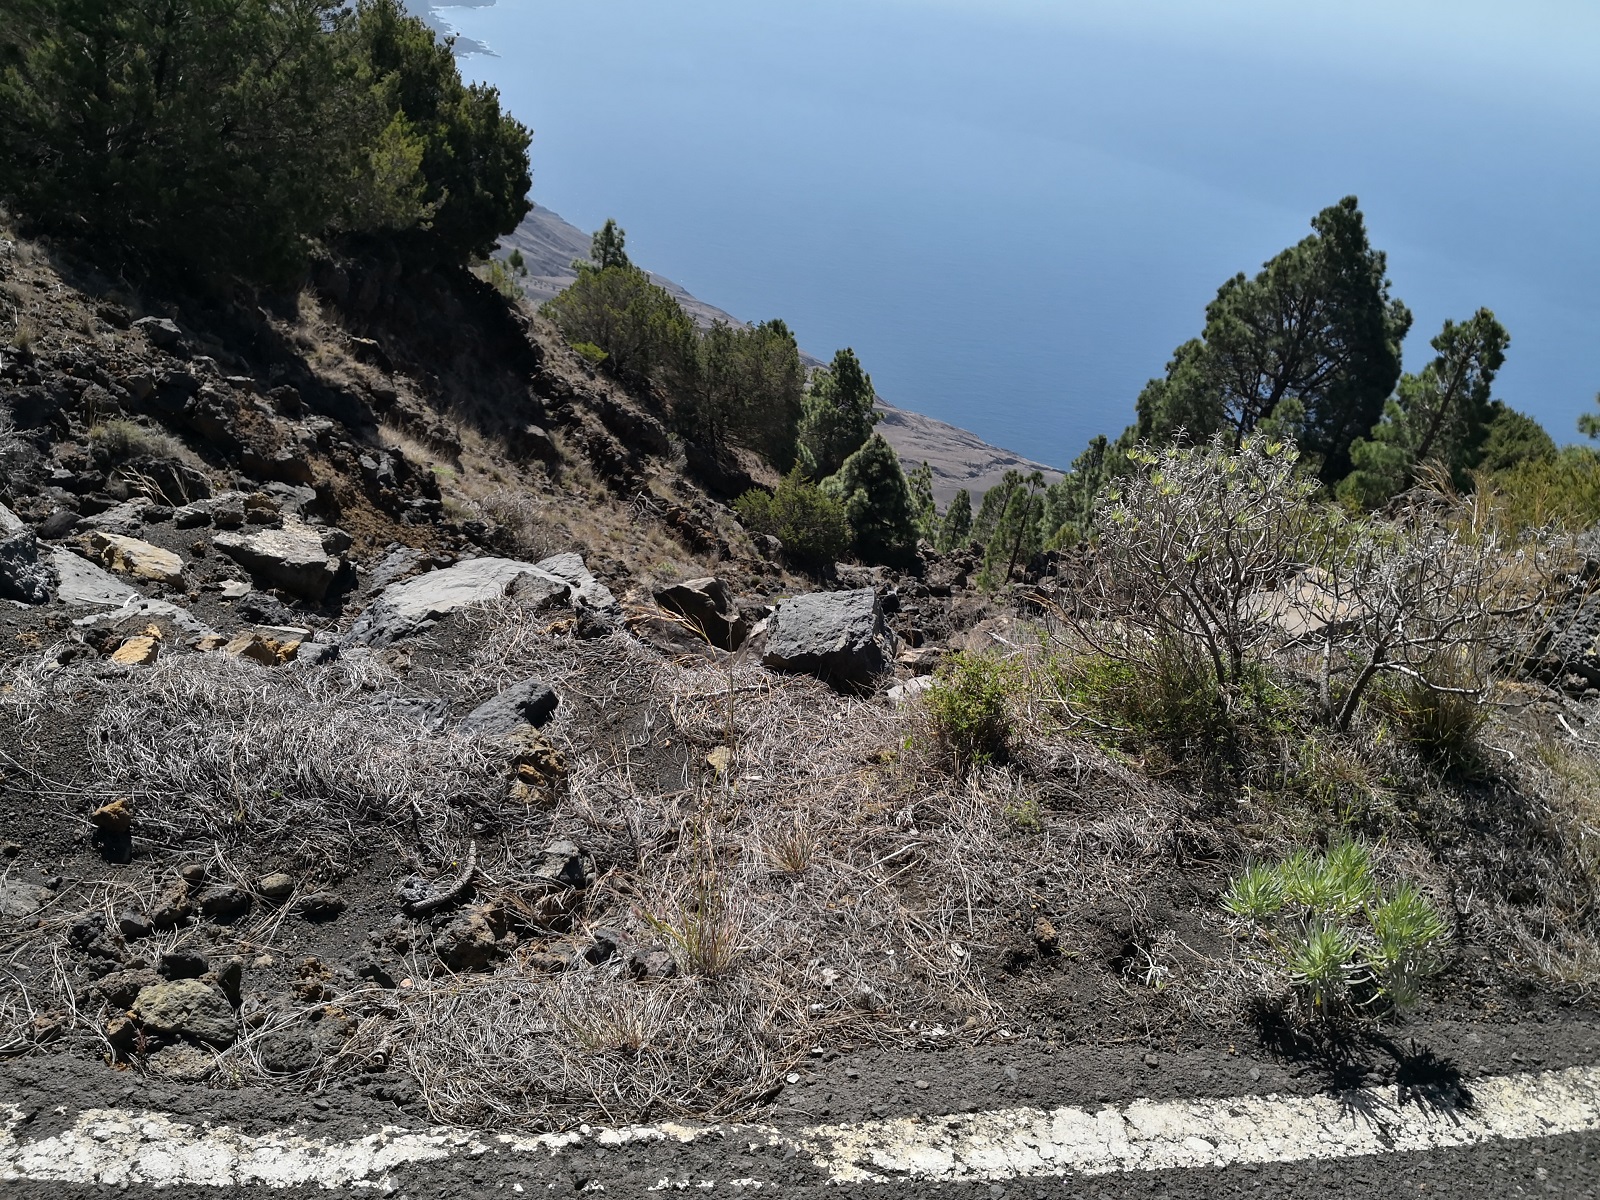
<point>1014,210</point>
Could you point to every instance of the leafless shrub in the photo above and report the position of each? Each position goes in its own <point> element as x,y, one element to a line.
<point>1425,600</point>
<point>1187,543</point>
<point>213,748</point>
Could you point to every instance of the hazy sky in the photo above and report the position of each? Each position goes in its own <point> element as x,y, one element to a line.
<point>1015,209</point>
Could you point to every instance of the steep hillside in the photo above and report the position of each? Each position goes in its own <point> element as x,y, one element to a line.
<point>959,459</point>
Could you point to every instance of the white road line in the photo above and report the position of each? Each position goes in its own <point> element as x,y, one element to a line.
<point>115,1146</point>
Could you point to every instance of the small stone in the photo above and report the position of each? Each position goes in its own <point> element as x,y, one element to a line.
<point>276,887</point>
<point>923,1085</point>
<point>531,702</point>
<point>182,964</point>
<point>130,556</point>
<point>187,1008</point>
<point>223,902</point>
<point>133,924</point>
<point>114,819</point>
<point>172,907</point>
<point>1150,1060</point>
<point>228,977</point>
<point>269,652</point>
<point>19,899</point>
<point>720,759</point>
<point>1044,934</point>
<point>235,589</point>
<point>209,642</point>
<point>321,906</point>
<point>194,874</point>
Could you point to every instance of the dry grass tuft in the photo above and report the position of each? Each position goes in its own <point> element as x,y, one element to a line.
<point>216,749</point>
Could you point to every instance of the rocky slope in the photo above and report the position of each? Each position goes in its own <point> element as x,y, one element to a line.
<point>391,712</point>
<point>959,459</point>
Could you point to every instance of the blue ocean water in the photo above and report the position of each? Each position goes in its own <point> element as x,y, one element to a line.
<point>1015,209</point>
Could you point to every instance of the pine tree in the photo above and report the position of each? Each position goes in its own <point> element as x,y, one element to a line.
<point>927,513</point>
<point>1015,536</point>
<point>1316,325</point>
<point>837,415</point>
<point>1436,415</point>
<point>956,528</point>
<point>606,248</point>
<point>877,500</point>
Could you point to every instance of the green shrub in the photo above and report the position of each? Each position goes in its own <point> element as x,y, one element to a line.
<point>1339,941</point>
<point>1561,491</point>
<point>1171,701</point>
<point>1442,725</point>
<point>970,704</point>
<point>590,353</point>
<point>812,525</point>
<point>643,330</point>
<point>118,440</point>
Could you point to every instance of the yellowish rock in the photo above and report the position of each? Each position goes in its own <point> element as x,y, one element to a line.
<point>720,759</point>
<point>130,556</point>
<point>138,651</point>
<point>210,642</point>
<point>269,652</point>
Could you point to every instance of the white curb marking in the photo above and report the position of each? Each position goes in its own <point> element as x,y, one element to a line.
<point>114,1146</point>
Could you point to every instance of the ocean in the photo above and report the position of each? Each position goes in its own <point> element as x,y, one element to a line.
<point>1014,210</point>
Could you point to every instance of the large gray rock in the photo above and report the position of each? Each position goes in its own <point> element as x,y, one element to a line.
<point>22,575</point>
<point>531,702</point>
<point>85,585</point>
<point>402,610</point>
<point>706,605</point>
<point>187,1008</point>
<point>839,637</point>
<point>586,589</point>
<point>293,558</point>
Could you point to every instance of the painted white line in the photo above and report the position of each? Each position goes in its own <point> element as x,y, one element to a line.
<point>1147,1135</point>
<point>114,1146</point>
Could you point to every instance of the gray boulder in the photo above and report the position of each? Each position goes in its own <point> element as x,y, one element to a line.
<point>187,1008</point>
<point>293,558</point>
<point>586,589</point>
<point>531,702</point>
<point>22,575</point>
<point>706,605</point>
<point>82,584</point>
<point>839,637</point>
<point>160,331</point>
<point>405,609</point>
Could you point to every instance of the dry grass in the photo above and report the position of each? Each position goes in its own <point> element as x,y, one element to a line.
<point>214,749</point>
<point>822,888</point>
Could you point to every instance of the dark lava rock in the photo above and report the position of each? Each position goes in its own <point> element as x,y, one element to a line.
<point>653,963</point>
<point>121,988</point>
<point>840,637</point>
<point>23,576</point>
<point>706,605</point>
<point>320,906</point>
<point>133,924</point>
<point>471,940</point>
<point>223,902</point>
